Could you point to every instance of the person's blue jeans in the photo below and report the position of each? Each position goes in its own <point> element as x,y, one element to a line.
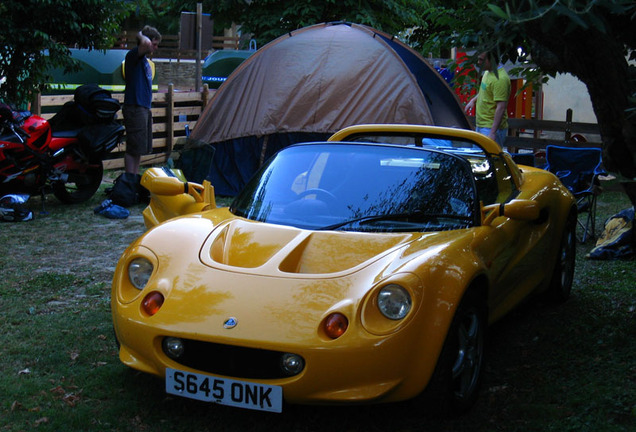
<point>500,137</point>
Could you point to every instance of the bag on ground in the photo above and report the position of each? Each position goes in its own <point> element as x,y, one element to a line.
<point>127,190</point>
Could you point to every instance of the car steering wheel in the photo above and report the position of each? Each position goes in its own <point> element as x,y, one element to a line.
<point>319,192</point>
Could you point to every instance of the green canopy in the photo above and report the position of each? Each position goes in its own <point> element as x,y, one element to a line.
<point>220,64</point>
<point>103,68</point>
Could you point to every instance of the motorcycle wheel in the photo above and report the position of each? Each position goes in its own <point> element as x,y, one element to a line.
<point>79,191</point>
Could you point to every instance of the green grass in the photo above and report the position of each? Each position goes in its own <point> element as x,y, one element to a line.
<point>550,368</point>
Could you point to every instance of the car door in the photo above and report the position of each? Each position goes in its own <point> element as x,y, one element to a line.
<point>514,250</point>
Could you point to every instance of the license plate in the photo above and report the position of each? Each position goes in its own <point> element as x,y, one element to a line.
<point>224,391</point>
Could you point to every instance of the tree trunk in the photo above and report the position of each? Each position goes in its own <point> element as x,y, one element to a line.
<point>598,60</point>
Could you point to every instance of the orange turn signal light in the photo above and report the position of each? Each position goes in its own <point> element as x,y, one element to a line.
<point>152,303</point>
<point>335,325</point>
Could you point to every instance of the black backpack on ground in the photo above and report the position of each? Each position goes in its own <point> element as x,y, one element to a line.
<point>128,191</point>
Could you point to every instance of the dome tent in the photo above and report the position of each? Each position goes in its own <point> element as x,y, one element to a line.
<point>310,83</point>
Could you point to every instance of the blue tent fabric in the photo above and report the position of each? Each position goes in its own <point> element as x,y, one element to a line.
<point>617,240</point>
<point>235,161</point>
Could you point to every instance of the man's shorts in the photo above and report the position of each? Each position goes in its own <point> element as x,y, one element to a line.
<point>500,136</point>
<point>138,124</point>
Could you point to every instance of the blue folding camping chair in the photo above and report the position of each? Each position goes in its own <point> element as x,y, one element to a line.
<point>579,169</point>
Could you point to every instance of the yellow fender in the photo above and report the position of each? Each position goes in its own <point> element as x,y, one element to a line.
<point>171,196</point>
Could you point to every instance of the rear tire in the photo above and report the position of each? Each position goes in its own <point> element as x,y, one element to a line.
<point>563,274</point>
<point>454,387</point>
<point>83,189</point>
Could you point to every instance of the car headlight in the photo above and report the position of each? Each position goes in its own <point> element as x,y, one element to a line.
<point>139,272</point>
<point>394,302</point>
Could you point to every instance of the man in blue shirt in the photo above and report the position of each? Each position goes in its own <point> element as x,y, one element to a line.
<point>138,98</point>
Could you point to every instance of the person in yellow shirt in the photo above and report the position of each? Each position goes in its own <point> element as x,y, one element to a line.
<point>492,99</point>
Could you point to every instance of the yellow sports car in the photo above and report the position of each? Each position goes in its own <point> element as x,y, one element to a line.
<point>363,269</point>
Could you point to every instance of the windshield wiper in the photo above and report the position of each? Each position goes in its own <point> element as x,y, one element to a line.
<point>418,215</point>
<point>374,218</point>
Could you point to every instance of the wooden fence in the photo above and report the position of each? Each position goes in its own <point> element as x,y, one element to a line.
<point>172,111</point>
<point>526,133</point>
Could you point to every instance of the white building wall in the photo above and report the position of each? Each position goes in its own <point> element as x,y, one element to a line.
<point>563,92</point>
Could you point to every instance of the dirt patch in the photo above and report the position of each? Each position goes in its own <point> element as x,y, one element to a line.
<point>70,239</point>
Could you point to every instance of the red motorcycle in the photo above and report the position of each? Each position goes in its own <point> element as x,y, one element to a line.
<point>63,155</point>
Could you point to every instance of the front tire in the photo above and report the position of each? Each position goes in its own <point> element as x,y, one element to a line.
<point>81,186</point>
<point>563,274</point>
<point>454,387</point>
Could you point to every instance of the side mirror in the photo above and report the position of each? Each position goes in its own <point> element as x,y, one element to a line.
<point>164,185</point>
<point>171,196</point>
<point>159,183</point>
<point>521,209</point>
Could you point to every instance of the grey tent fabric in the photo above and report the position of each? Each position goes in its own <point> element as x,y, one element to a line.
<point>314,82</point>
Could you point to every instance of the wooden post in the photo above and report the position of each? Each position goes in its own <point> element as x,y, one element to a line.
<point>169,120</point>
<point>538,108</point>
<point>205,96</point>
<point>36,104</point>
<point>197,85</point>
<point>568,126</point>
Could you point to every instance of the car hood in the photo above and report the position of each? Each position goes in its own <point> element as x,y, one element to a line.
<point>238,245</point>
<point>213,265</point>
<point>248,246</point>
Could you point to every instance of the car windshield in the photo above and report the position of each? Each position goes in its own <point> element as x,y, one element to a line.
<point>361,187</point>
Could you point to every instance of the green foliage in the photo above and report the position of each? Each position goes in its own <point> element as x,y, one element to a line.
<point>35,36</point>
<point>268,19</point>
<point>162,14</point>
<point>265,20</point>
<point>506,26</point>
